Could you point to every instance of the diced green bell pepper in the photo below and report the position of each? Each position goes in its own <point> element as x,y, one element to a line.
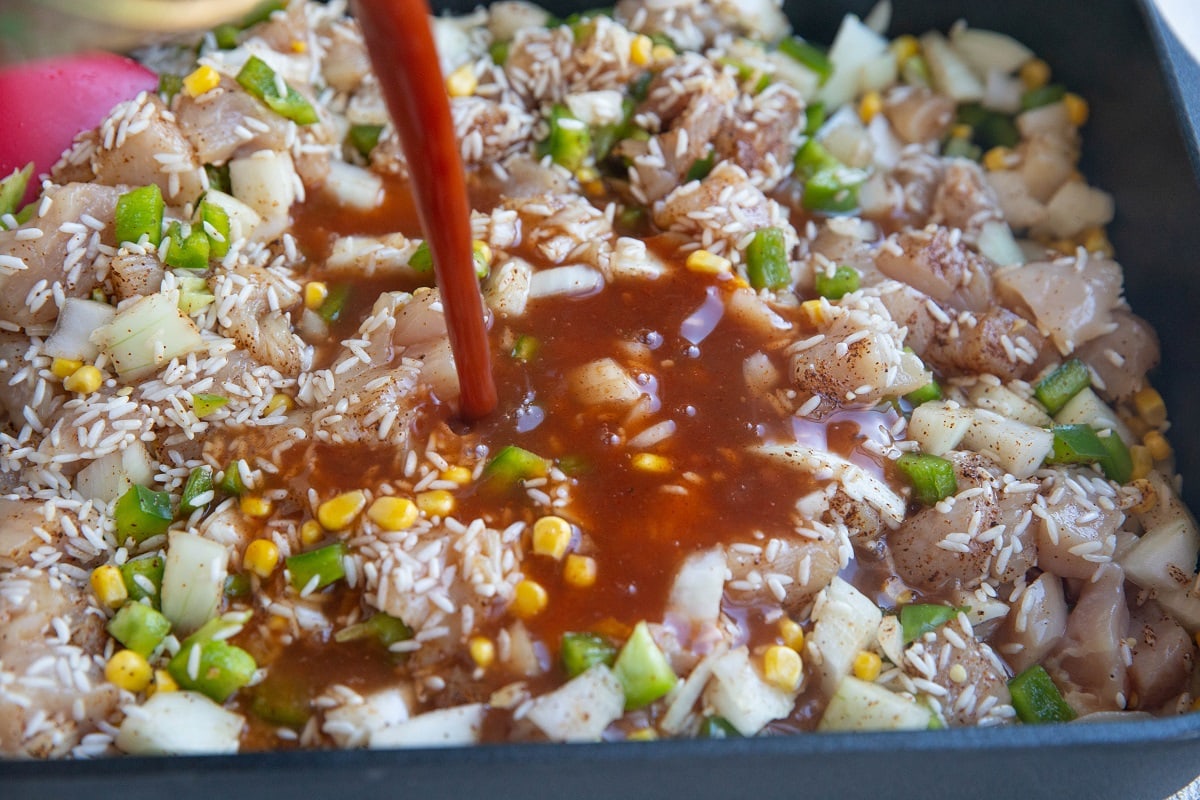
<point>767,261</point>
<point>231,480</point>
<point>212,216</point>
<point>1042,96</point>
<point>808,55</point>
<point>932,477</point>
<point>422,258</point>
<point>1076,444</point>
<point>186,250</point>
<point>1036,699</point>
<point>281,699</point>
<point>140,213</point>
<point>714,727</point>
<point>386,629</point>
<point>842,282</point>
<point>569,142</point>
<point>257,78</point>
<point>512,465</point>
<point>1066,381</point>
<point>579,651</point>
<point>918,619</point>
<point>143,578</point>
<point>141,513</point>
<point>12,189</point>
<point>643,669</point>
<point>324,564</point>
<point>222,668</point>
<point>930,391</point>
<point>364,138</point>
<point>525,348</point>
<point>139,627</point>
<point>205,404</point>
<point>334,303</point>
<point>1117,463</point>
<point>199,483</point>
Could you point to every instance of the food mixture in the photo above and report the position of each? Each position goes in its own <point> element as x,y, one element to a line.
<point>820,404</point>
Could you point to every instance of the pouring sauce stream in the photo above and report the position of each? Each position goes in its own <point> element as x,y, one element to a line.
<point>405,60</point>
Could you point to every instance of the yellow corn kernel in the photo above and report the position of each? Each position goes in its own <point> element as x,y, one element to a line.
<point>640,50</point>
<point>650,462</point>
<point>1064,246</point>
<point>529,599</point>
<point>958,673</point>
<point>483,651</point>
<point>869,106</point>
<point>642,735</point>
<point>1143,462</point>
<point>1196,704</point>
<point>1034,73</point>
<point>339,513</point>
<point>84,380</point>
<point>460,475</point>
<point>311,532</point>
<point>962,131</point>
<point>1094,240</point>
<point>278,624</point>
<point>782,667</point>
<point>1077,109</point>
<point>867,665</point>
<point>792,633</point>
<point>707,263</point>
<point>661,52</point>
<point>904,598</point>
<point>1149,498</point>
<point>299,46</point>
<point>551,537</point>
<point>1157,444</point>
<point>1150,406</point>
<point>737,282</point>
<point>905,47</point>
<point>579,571</point>
<point>261,557</point>
<point>462,82</point>
<point>109,586</point>
<point>255,506</point>
<point>278,401</point>
<point>128,670</point>
<point>163,682</point>
<point>393,513</point>
<point>587,174</point>
<point>814,311</point>
<point>996,159</point>
<point>63,367</point>
<point>315,293</point>
<point>201,80</point>
<point>435,503</point>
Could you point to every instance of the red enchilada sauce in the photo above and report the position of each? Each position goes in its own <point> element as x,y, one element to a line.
<point>639,526</point>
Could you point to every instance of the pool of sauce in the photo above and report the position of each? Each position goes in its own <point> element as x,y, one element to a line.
<point>637,525</point>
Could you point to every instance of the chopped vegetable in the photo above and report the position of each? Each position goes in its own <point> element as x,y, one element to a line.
<point>364,138</point>
<point>193,580</point>
<point>1076,444</point>
<point>829,185</point>
<point>214,222</point>
<point>205,404</point>
<point>569,142</point>
<point>989,129</point>
<point>140,213</point>
<point>918,619</point>
<point>579,651</point>
<point>257,78</point>
<point>814,118</point>
<point>809,55</point>
<point>147,334</point>
<point>1117,461</point>
<point>335,302</point>
<point>139,627</point>
<point>179,723</point>
<point>143,579</point>
<point>767,261</point>
<point>141,513</point>
<point>231,480</point>
<point>1036,699</point>
<point>512,465</point>
<point>385,628</point>
<point>317,568</point>
<point>714,727</point>
<point>927,393</point>
<point>187,248</point>
<point>281,699</point>
<point>842,282</point>
<point>525,348</point>
<point>1042,96</point>
<point>932,477</point>
<point>1066,381</point>
<point>238,585</point>
<point>643,669</point>
<point>700,168</point>
<point>12,189</point>
<point>212,667</point>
